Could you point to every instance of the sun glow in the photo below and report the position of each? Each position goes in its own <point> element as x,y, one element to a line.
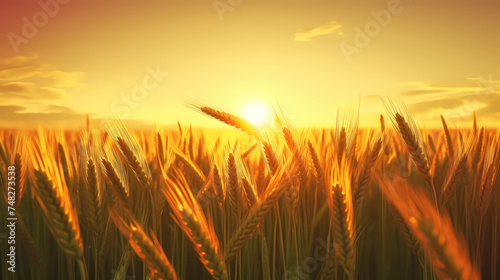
<point>255,113</point>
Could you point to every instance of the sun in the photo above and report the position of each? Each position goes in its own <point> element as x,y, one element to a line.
<point>255,113</point>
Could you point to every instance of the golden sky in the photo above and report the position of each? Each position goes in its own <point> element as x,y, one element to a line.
<point>142,60</point>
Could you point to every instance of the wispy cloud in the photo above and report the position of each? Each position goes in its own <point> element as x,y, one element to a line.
<point>27,78</point>
<point>19,116</point>
<point>306,34</point>
<point>480,95</point>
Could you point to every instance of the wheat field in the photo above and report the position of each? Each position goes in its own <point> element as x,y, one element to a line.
<point>393,202</point>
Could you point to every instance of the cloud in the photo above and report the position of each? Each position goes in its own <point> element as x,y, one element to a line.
<point>456,103</point>
<point>306,34</point>
<point>28,90</point>
<point>18,116</point>
<point>26,78</point>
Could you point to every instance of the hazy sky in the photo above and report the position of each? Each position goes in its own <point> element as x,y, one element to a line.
<point>141,60</point>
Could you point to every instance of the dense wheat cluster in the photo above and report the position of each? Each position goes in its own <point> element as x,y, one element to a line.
<point>277,203</point>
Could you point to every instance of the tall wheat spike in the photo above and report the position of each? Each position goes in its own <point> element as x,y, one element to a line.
<point>411,136</point>
<point>60,215</point>
<point>227,118</point>
<point>53,196</point>
<point>316,165</point>
<point>92,200</point>
<point>131,151</point>
<point>342,219</point>
<point>449,143</point>
<point>233,187</point>
<point>272,161</point>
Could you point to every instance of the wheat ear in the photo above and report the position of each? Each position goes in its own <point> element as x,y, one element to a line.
<point>316,165</point>
<point>343,228</point>
<point>247,228</point>
<point>341,144</point>
<point>446,251</point>
<point>249,192</point>
<point>93,207</point>
<point>191,219</point>
<point>233,188</point>
<point>19,180</point>
<point>449,143</point>
<point>296,155</point>
<point>452,179</point>
<point>159,144</point>
<point>133,162</point>
<point>478,149</point>
<point>366,171</point>
<point>272,161</point>
<point>149,250</point>
<point>416,151</point>
<point>229,119</point>
<point>192,167</point>
<point>120,195</point>
<point>61,217</point>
